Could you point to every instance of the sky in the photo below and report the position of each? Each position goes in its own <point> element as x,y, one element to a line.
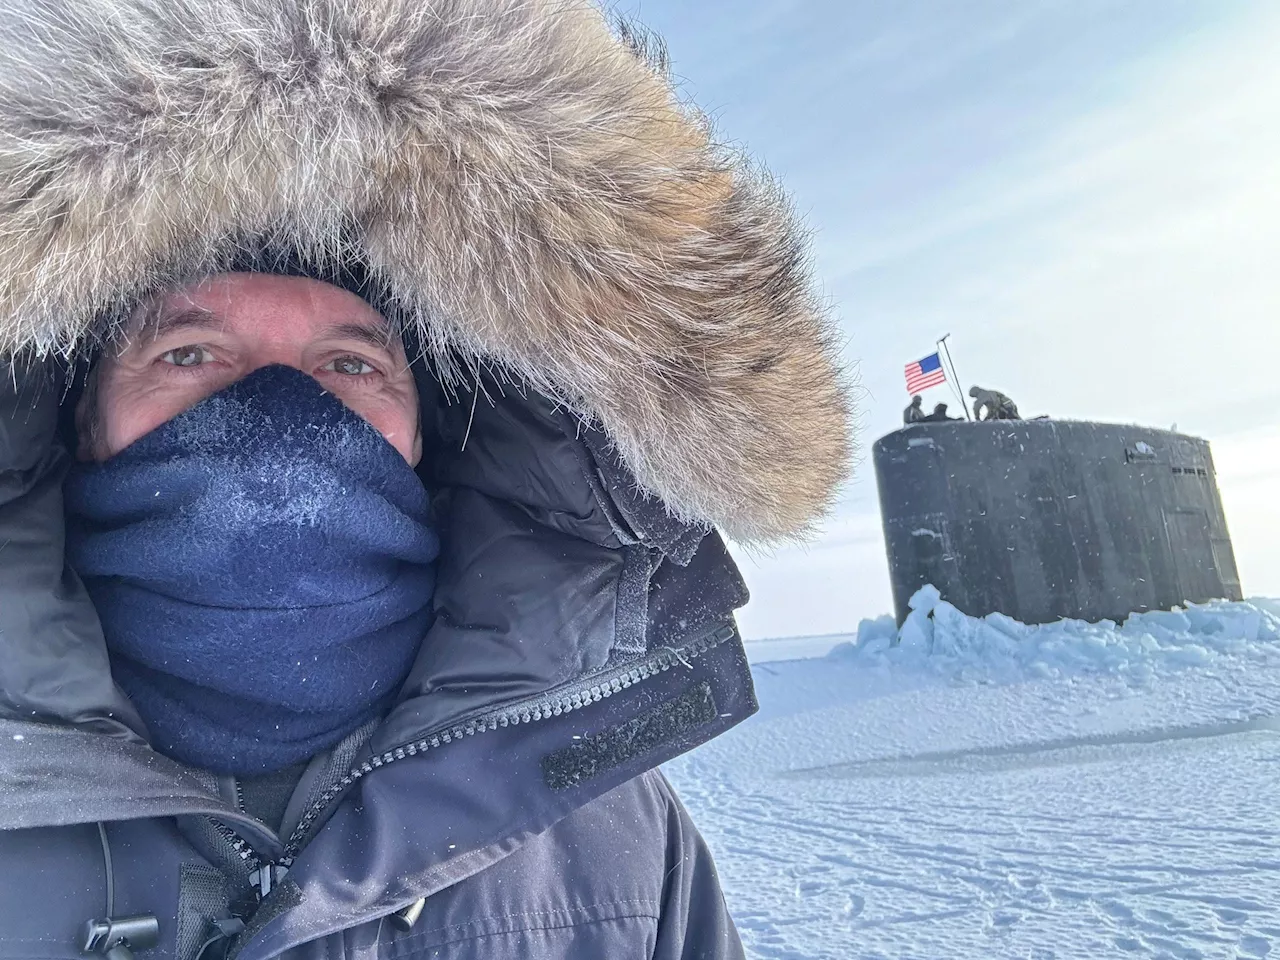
<point>1085,195</point>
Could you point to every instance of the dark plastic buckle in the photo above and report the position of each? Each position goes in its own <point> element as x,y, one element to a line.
<point>117,939</point>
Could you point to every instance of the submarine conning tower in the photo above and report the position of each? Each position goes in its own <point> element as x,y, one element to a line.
<point>1046,519</point>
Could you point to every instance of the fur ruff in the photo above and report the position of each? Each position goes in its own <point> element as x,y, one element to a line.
<point>523,179</point>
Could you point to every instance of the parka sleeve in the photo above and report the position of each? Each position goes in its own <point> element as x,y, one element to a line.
<point>695,922</point>
<point>52,656</point>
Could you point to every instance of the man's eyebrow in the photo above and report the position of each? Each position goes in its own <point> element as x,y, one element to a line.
<point>376,335</point>
<point>159,323</point>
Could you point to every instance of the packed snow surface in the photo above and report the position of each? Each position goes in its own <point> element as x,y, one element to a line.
<point>969,788</point>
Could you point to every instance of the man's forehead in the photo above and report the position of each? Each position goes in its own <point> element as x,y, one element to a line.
<point>227,300</point>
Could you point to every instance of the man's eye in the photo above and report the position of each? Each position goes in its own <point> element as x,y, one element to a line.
<point>350,367</point>
<point>191,355</point>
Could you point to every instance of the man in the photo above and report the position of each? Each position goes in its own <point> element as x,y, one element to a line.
<point>914,413</point>
<point>992,405</point>
<point>414,352</point>
<point>939,415</point>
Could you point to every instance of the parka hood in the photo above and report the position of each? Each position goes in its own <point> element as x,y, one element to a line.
<point>521,180</point>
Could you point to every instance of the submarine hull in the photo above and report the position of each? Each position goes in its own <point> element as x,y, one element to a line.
<point>1048,519</point>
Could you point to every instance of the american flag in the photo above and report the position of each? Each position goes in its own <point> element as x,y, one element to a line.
<point>925,373</point>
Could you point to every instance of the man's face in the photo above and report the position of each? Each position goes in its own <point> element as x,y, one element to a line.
<point>194,342</point>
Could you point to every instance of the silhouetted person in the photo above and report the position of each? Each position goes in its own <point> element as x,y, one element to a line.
<point>914,413</point>
<point>992,405</point>
<point>939,415</point>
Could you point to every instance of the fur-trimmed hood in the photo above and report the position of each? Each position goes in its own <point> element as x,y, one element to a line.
<point>524,183</point>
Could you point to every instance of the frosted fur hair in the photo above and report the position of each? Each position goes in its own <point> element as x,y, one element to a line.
<point>520,178</point>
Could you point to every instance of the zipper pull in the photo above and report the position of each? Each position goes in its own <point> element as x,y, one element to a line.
<point>404,918</point>
<point>266,877</point>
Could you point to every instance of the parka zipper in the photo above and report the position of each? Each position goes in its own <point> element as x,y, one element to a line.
<point>262,874</point>
<point>266,874</point>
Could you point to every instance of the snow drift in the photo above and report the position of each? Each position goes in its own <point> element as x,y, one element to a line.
<point>937,637</point>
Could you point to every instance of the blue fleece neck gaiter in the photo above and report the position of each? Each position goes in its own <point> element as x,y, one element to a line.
<point>263,568</point>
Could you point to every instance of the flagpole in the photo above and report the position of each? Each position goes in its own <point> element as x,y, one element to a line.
<point>955,377</point>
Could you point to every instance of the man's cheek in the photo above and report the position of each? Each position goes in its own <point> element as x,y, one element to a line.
<point>134,409</point>
<point>128,421</point>
<point>390,417</point>
<point>395,430</point>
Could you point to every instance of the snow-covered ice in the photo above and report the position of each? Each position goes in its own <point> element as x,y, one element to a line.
<point>983,788</point>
